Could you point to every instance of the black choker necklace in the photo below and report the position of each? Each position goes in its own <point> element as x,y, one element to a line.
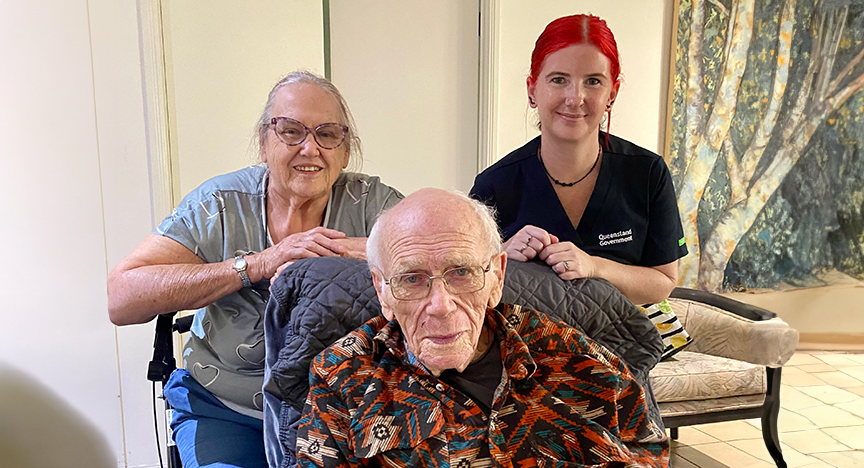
<point>569,184</point>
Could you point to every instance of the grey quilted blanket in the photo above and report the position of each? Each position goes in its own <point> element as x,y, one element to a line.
<point>317,301</point>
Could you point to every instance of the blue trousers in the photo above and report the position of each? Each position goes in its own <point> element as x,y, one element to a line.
<point>208,433</point>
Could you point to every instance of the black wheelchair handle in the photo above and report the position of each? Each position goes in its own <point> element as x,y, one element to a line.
<point>183,324</point>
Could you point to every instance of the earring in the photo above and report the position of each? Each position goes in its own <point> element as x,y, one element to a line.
<point>531,101</point>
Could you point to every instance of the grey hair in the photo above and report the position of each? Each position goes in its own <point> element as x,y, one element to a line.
<point>491,236</point>
<point>355,149</point>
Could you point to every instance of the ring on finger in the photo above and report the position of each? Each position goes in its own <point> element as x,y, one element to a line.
<point>523,248</point>
<point>566,266</point>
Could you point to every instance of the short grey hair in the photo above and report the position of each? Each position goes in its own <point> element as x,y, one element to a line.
<point>306,77</point>
<point>491,235</point>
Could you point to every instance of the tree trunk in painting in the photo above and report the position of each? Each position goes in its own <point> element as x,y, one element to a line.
<point>775,107</point>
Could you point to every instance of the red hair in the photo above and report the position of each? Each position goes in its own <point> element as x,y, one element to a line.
<point>577,29</point>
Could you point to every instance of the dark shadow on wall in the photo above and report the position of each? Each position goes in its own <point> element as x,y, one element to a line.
<point>39,430</point>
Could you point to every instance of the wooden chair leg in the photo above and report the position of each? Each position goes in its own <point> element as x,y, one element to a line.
<point>769,417</point>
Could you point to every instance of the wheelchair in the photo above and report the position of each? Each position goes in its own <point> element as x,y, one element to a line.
<point>159,370</point>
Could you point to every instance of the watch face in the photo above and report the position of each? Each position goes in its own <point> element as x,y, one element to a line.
<point>239,263</point>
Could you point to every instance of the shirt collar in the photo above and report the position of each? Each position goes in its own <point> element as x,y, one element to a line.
<point>264,182</point>
<point>516,354</point>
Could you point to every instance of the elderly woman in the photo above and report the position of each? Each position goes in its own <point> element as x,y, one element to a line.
<point>587,203</point>
<point>217,250</point>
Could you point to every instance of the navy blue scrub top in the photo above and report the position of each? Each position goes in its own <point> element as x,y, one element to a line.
<point>631,218</point>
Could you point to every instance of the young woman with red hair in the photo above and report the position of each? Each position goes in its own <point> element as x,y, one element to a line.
<point>587,203</point>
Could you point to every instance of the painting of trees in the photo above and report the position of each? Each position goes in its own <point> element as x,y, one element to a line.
<point>766,140</point>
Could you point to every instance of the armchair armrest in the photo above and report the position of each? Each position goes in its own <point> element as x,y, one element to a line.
<point>743,309</point>
<point>724,327</point>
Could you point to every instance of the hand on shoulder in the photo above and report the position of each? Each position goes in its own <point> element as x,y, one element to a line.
<point>351,247</point>
<point>317,242</point>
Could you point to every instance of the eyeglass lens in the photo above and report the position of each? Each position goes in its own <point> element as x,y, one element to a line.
<point>460,280</point>
<point>293,133</point>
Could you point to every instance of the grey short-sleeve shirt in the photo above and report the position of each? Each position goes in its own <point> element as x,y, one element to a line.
<point>226,214</point>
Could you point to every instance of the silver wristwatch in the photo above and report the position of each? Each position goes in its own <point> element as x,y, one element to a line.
<point>240,268</point>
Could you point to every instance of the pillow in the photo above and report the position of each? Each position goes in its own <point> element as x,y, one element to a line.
<point>675,337</point>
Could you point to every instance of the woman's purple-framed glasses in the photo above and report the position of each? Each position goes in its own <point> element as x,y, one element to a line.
<point>292,132</point>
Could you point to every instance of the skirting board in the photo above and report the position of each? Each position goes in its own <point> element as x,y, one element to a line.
<point>831,341</point>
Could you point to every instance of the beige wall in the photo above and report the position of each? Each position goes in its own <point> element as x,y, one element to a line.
<point>223,57</point>
<point>408,70</point>
<point>831,315</point>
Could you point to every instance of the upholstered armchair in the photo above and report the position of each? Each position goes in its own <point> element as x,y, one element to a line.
<point>730,371</point>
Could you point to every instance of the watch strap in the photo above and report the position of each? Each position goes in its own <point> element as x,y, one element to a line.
<point>240,268</point>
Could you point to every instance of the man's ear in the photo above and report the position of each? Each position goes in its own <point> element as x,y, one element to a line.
<point>378,282</point>
<point>499,266</point>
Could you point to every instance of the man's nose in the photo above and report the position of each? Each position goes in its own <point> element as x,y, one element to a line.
<point>441,301</point>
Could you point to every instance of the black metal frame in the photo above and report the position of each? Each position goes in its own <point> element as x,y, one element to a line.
<point>770,408</point>
<point>163,364</point>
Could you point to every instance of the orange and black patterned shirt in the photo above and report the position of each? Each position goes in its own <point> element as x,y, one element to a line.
<point>563,400</point>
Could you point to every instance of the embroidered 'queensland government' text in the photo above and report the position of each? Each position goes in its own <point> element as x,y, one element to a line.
<point>616,237</point>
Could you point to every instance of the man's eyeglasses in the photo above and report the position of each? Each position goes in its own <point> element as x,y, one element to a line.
<point>457,280</point>
<point>292,132</point>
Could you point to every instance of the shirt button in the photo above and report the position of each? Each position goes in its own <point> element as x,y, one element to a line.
<point>439,387</point>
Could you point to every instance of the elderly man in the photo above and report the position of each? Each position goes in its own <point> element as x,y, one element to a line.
<point>448,377</point>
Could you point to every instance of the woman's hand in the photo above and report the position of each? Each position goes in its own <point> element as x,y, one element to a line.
<point>279,271</point>
<point>569,261</point>
<point>528,242</point>
<point>317,242</point>
<point>353,247</point>
<point>642,285</point>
